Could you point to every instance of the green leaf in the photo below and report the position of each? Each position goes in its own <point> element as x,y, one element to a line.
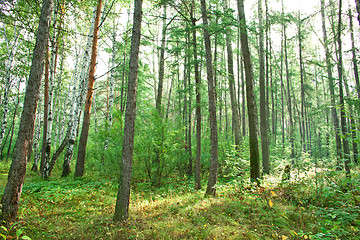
<point>4,228</point>
<point>3,236</point>
<point>26,238</point>
<point>19,232</point>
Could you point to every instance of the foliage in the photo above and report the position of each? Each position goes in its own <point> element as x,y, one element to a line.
<point>321,205</point>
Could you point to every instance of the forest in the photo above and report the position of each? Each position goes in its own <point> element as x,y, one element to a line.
<point>179,119</point>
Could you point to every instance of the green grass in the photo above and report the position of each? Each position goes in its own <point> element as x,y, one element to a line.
<point>326,207</point>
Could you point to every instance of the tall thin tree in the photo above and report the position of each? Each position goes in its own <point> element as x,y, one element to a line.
<point>80,163</point>
<point>123,196</point>
<point>250,97</point>
<point>211,187</point>
<point>11,198</point>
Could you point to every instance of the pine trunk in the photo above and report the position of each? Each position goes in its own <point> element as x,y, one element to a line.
<point>331,86</point>
<point>74,113</point>
<point>344,125</point>
<point>251,104</point>
<point>123,197</point>
<point>198,105</point>
<point>11,197</point>
<point>263,107</point>
<point>211,187</point>
<point>80,163</point>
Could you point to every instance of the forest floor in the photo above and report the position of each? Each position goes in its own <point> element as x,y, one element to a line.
<point>321,206</point>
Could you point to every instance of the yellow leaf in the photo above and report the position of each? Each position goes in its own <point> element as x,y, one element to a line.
<point>274,194</point>
<point>283,237</point>
<point>271,203</point>
<point>306,237</point>
<point>294,232</point>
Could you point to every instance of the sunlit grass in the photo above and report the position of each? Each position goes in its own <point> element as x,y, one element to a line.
<point>83,209</point>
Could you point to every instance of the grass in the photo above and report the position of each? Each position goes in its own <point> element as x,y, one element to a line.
<point>326,207</point>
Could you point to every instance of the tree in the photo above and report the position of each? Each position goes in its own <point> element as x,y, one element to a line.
<point>78,97</point>
<point>263,102</point>
<point>331,84</point>
<point>11,197</point>
<point>198,102</point>
<point>358,9</point>
<point>250,97</point>
<point>80,163</point>
<point>231,78</point>
<point>211,187</point>
<point>344,125</point>
<point>123,196</point>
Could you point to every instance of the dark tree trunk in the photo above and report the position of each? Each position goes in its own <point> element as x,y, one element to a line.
<point>161,65</point>
<point>251,104</point>
<point>354,60</point>
<point>198,105</point>
<point>344,125</point>
<point>46,108</point>
<point>331,86</point>
<point>123,196</point>
<point>234,105</point>
<point>10,199</point>
<point>80,162</point>
<point>358,9</point>
<point>263,107</point>
<point>291,122</point>
<point>211,187</point>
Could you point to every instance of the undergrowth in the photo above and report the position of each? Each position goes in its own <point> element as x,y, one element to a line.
<point>324,205</point>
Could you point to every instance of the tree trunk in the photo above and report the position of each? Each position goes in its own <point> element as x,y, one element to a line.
<point>291,122</point>
<point>331,85</point>
<point>211,187</point>
<point>79,95</point>
<point>302,105</point>
<point>80,163</point>
<point>10,199</point>
<point>161,65</point>
<point>354,60</point>
<point>52,69</point>
<point>46,108</point>
<point>123,197</point>
<point>344,126</point>
<point>198,103</point>
<point>5,101</point>
<point>251,105</point>
<point>234,104</point>
<point>358,9</point>
<point>263,102</point>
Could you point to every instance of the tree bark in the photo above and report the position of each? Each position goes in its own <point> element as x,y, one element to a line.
<point>251,105</point>
<point>234,106</point>
<point>331,85</point>
<point>263,102</point>
<point>80,163</point>
<point>211,187</point>
<point>10,199</point>
<point>358,9</point>
<point>161,65</point>
<point>52,69</point>
<point>344,125</point>
<point>46,108</point>
<point>354,60</point>
<point>198,103</point>
<point>123,197</point>
<point>291,122</point>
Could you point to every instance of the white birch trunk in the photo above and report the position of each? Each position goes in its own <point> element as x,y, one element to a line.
<point>74,116</point>
<point>5,101</point>
<point>111,88</point>
<point>51,98</point>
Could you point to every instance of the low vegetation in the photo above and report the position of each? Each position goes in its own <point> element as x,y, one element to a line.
<point>316,204</point>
